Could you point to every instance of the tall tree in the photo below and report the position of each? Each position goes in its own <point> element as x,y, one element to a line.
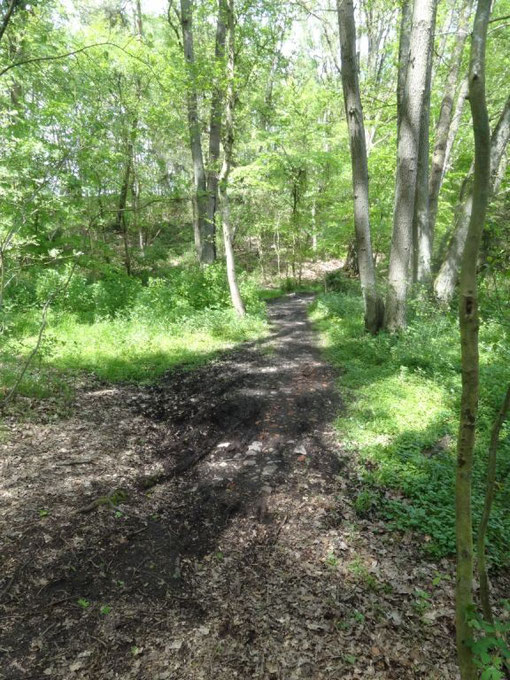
<point>203,228</point>
<point>228,145</point>
<point>213,168</point>
<point>357,139</point>
<point>422,236</point>
<point>410,118</point>
<point>446,118</point>
<point>469,322</point>
<point>446,279</point>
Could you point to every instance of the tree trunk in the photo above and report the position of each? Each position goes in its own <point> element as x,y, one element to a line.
<point>204,239</point>
<point>215,122</point>
<point>469,322</point>
<point>120,220</point>
<point>403,54</point>
<point>410,116</point>
<point>445,119</point>
<point>455,124</point>
<point>354,115</point>
<point>228,145</point>
<point>444,284</point>
<point>422,236</point>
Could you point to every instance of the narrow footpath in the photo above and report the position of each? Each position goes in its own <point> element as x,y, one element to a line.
<point>204,529</point>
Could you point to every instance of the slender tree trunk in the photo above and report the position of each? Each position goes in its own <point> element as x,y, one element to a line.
<point>120,220</point>
<point>444,284</point>
<point>469,322</point>
<point>204,239</point>
<point>410,117</point>
<point>228,146</point>
<point>454,127</point>
<point>422,236</point>
<point>444,122</point>
<point>354,115</point>
<point>215,122</point>
<point>406,18</point>
<point>4,21</point>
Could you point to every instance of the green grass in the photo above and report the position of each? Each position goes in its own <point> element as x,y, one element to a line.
<point>401,416</point>
<point>119,349</point>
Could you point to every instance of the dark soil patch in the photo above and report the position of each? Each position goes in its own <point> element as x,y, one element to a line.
<point>221,543</point>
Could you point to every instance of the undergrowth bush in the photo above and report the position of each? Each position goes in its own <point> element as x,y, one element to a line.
<point>403,397</point>
<point>120,329</point>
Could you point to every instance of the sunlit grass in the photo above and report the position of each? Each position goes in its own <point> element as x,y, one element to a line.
<point>121,349</point>
<point>400,416</point>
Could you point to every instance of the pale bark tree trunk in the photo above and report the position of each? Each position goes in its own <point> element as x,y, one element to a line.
<point>403,54</point>
<point>410,116</point>
<point>454,127</point>
<point>354,115</point>
<point>422,236</point>
<point>228,145</point>
<point>204,239</point>
<point>469,323</point>
<point>444,122</point>
<point>444,284</point>
<point>215,121</point>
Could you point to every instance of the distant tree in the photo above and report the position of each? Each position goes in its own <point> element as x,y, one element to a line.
<point>446,279</point>
<point>228,143</point>
<point>447,122</point>
<point>354,116</point>
<point>203,228</point>
<point>412,98</point>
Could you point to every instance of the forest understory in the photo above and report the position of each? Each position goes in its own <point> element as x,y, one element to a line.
<point>206,526</point>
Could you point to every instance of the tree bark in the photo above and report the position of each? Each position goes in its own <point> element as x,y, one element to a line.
<point>228,146</point>
<point>215,121</point>
<point>204,239</point>
<point>469,323</point>
<point>444,284</point>
<point>410,116</point>
<point>406,18</point>
<point>444,122</point>
<point>120,220</point>
<point>455,124</point>
<point>422,236</point>
<point>354,115</point>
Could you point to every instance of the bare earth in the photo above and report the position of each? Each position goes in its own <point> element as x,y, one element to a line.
<point>203,528</point>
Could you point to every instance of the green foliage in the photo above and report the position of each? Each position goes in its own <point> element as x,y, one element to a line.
<point>366,501</point>
<point>490,646</point>
<point>119,329</point>
<point>402,417</point>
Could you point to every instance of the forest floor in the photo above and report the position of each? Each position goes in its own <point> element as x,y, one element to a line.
<point>204,527</point>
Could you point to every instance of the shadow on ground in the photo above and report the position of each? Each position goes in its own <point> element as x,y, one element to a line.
<point>203,528</point>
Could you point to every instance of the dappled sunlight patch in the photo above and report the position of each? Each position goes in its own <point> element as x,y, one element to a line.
<point>122,349</point>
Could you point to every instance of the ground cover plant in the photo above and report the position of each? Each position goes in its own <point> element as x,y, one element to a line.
<point>190,487</point>
<point>401,416</point>
<point>120,329</point>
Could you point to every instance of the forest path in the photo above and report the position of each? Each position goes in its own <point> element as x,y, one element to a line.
<point>250,563</point>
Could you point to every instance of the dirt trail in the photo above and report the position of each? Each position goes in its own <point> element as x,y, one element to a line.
<point>249,564</point>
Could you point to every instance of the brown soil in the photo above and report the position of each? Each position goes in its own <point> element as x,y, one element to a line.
<point>203,528</point>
